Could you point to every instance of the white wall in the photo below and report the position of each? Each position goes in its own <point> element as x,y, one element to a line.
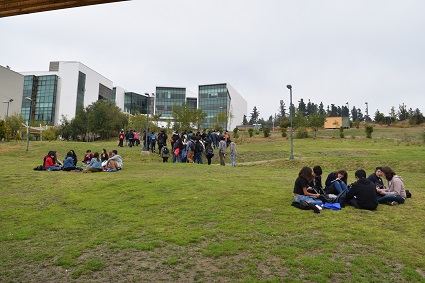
<point>119,99</point>
<point>238,107</point>
<point>11,87</point>
<point>67,93</point>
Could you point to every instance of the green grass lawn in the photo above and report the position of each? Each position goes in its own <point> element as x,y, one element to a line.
<point>156,222</point>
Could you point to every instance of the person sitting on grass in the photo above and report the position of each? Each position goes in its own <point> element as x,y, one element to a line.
<point>114,162</point>
<point>50,163</point>
<point>87,157</point>
<point>395,193</point>
<point>362,193</point>
<point>336,182</point>
<point>302,188</point>
<point>68,163</point>
<point>95,164</point>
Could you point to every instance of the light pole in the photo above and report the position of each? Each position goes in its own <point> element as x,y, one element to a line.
<point>291,156</point>
<point>7,111</point>
<point>29,122</point>
<point>148,100</point>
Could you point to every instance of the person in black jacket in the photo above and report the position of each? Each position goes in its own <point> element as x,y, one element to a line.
<point>316,182</point>
<point>377,180</point>
<point>362,193</point>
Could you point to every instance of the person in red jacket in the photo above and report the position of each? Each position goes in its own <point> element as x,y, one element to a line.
<point>50,162</point>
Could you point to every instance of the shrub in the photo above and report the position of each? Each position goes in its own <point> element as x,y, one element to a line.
<point>341,132</point>
<point>283,132</point>
<point>50,134</point>
<point>235,132</point>
<point>250,132</point>
<point>266,132</point>
<point>302,133</point>
<point>369,130</point>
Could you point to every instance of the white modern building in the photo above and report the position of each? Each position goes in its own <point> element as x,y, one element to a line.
<point>60,91</point>
<point>215,99</point>
<point>11,86</point>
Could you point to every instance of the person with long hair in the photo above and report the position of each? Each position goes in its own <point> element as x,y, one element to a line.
<point>104,155</point>
<point>95,164</point>
<point>68,163</point>
<point>50,163</point>
<point>395,193</point>
<point>336,182</point>
<point>74,157</point>
<point>302,190</point>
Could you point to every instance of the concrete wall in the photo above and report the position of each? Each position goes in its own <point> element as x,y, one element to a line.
<point>238,108</point>
<point>11,87</point>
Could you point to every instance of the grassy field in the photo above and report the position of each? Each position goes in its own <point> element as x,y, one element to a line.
<point>156,222</point>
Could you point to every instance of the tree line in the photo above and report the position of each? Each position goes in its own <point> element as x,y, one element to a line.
<point>314,115</point>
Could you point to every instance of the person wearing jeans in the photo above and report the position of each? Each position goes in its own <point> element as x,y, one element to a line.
<point>301,187</point>
<point>222,147</point>
<point>395,193</point>
<point>233,153</point>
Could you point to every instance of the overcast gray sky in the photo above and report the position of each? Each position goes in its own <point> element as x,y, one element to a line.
<point>330,51</point>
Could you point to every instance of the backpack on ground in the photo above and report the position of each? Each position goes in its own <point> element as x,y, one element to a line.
<point>341,198</point>
<point>39,168</point>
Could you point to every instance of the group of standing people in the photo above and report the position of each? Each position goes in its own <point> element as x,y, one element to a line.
<point>364,193</point>
<point>93,162</point>
<point>189,147</point>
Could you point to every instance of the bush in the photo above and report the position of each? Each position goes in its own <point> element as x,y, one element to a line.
<point>341,132</point>
<point>250,132</point>
<point>266,132</point>
<point>50,134</point>
<point>302,133</point>
<point>235,132</point>
<point>369,130</point>
<point>283,132</point>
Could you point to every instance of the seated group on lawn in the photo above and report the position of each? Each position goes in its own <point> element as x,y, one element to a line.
<point>364,193</point>
<point>96,162</point>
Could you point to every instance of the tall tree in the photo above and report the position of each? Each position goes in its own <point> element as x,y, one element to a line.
<point>402,113</point>
<point>379,117</point>
<point>417,117</point>
<point>354,113</point>
<point>282,110</point>
<point>302,107</point>
<point>316,120</point>
<point>245,121</point>
<point>255,114</point>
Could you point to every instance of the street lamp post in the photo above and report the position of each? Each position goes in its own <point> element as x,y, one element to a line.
<point>291,156</point>
<point>7,111</point>
<point>29,122</point>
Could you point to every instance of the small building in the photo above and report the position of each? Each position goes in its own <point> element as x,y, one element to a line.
<point>336,122</point>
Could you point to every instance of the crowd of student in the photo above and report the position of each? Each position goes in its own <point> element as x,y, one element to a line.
<point>187,147</point>
<point>364,193</point>
<point>92,162</point>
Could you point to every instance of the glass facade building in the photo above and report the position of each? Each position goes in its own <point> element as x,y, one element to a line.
<point>136,103</point>
<point>43,91</point>
<point>192,102</point>
<point>214,99</point>
<point>81,89</point>
<point>166,98</point>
